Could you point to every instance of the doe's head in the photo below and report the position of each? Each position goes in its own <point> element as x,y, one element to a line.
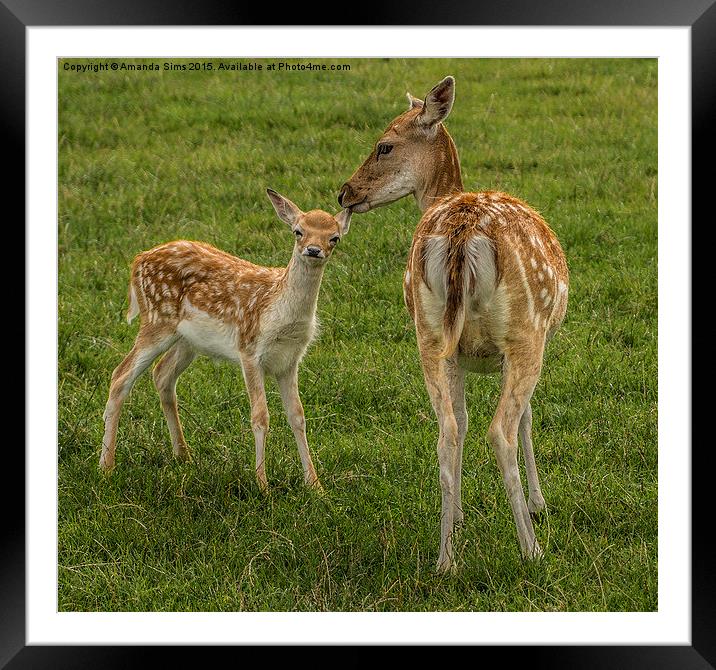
<point>404,154</point>
<point>316,232</point>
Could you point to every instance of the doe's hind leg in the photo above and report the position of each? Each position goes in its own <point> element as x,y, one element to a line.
<point>520,375</point>
<point>535,502</point>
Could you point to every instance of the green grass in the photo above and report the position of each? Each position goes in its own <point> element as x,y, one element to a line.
<point>145,157</point>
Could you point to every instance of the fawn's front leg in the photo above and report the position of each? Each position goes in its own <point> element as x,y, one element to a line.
<point>288,385</point>
<point>254,378</point>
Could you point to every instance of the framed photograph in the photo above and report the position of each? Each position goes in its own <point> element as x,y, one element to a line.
<point>146,124</point>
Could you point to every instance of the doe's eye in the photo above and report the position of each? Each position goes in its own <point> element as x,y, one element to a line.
<point>384,149</point>
<point>298,233</point>
<point>335,239</point>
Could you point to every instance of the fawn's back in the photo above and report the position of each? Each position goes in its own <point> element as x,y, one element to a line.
<point>213,299</point>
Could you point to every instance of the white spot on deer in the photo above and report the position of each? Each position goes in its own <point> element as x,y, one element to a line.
<point>540,276</point>
<point>543,293</point>
<point>550,272</point>
<point>547,299</point>
<point>533,262</point>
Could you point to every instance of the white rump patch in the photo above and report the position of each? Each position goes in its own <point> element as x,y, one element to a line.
<point>435,254</point>
<point>480,267</point>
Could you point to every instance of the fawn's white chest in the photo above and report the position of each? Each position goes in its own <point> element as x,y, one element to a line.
<point>280,347</point>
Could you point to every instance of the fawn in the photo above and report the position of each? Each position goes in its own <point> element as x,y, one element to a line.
<point>486,286</point>
<point>193,298</point>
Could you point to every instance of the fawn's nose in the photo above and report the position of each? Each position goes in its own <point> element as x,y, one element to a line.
<point>314,251</point>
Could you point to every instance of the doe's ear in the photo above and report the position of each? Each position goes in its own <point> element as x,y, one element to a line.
<point>287,211</point>
<point>414,102</point>
<point>438,103</point>
<point>343,218</point>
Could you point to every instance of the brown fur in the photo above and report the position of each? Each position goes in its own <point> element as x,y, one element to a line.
<point>212,280</point>
<point>505,294</point>
<point>193,298</point>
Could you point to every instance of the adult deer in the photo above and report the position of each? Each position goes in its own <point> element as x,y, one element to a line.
<point>193,298</point>
<point>486,285</point>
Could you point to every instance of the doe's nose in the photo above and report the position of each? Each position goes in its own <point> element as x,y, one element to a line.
<point>343,192</point>
<point>313,251</point>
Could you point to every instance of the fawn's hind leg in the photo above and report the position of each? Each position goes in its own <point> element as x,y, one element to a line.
<point>165,375</point>
<point>149,344</point>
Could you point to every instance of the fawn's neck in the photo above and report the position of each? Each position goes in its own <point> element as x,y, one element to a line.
<point>301,285</point>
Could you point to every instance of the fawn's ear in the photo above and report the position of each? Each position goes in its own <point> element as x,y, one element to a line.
<point>438,103</point>
<point>414,102</point>
<point>343,218</point>
<point>287,211</point>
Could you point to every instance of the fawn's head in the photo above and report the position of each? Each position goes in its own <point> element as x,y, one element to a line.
<point>317,232</point>
<point>410,149</point>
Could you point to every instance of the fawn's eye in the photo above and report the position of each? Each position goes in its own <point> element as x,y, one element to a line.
<point>383,149</point>
<point>335,239</point>
<point>298,233</point>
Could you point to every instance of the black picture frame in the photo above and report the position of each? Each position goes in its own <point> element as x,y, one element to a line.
<point>17,15</point>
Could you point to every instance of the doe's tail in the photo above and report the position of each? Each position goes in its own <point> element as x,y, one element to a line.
<point>455,267</point>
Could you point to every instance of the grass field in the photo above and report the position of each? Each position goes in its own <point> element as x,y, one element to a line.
<point>146,157</point>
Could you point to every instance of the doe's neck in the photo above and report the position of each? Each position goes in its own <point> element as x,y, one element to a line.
<point>444,174</point>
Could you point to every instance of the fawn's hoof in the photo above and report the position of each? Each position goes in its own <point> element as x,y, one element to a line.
<point>183,454</point>
<point>316,486</point>
<point>106,463</point>
<point>445,566</point>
